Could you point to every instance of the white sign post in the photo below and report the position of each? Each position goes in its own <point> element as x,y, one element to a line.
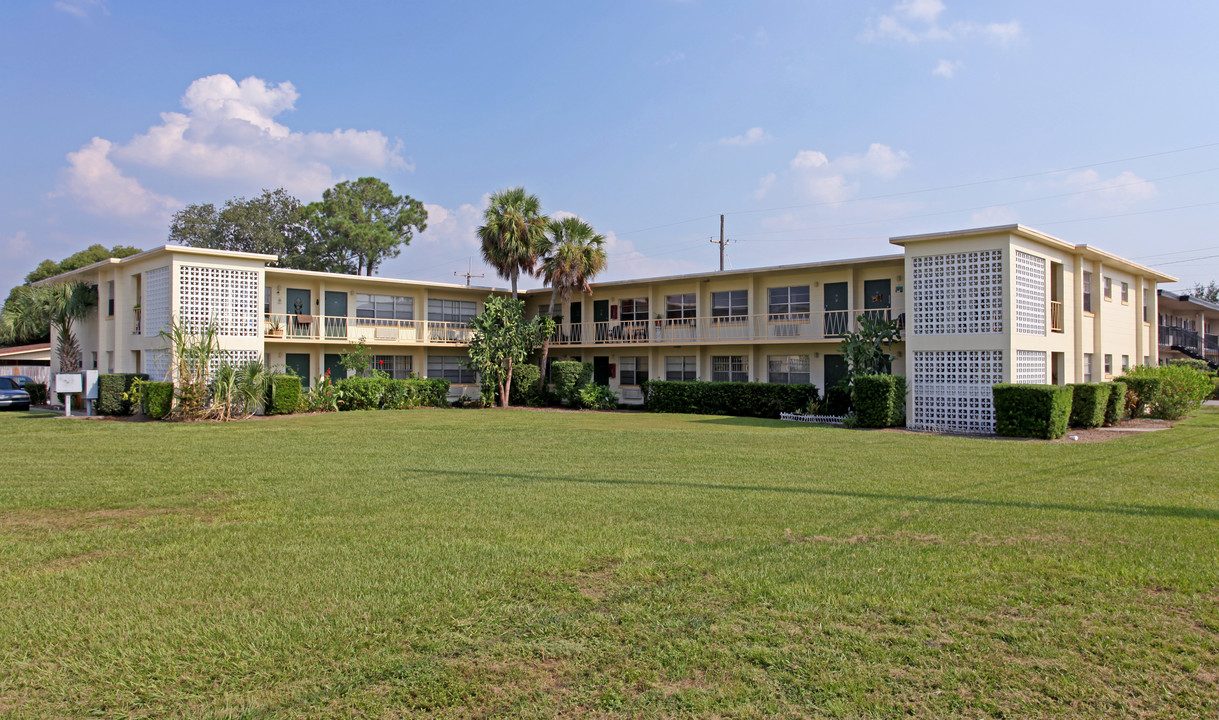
<point>68,383</point>
<point>90,382</point>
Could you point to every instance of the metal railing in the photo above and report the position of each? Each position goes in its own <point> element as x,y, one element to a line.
<point>372,331</point>
<point>1056,317</point>
<point>1181,337</point>
<point>793,327</point>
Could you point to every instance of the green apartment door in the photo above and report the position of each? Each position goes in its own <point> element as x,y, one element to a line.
<point>576,311</point>
<point>835,371</point>
<point>601,365</point>
<point>334,365</point>
<point>336,315</point>
<point>877,298</point>
<point>601,320</point>
<point>300,303</point>
<point>299,364</point>
<point>837,315</point>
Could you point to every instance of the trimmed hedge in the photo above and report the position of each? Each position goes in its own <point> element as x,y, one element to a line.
<point>837,400</point>
<point>1035,411</point>
<point>1088,403</point>
<point>361,393</point>
<point>569,378</point>
<point>38,393</point>
<point>525,385</point>
<point>1142,391</point>
<point>431,392</point>
<point>765,400</point>
<point>1115,408</point>
<point>1214,390</point>
<point>879,400</point>
<point>158,399</point>
<point>285,395</point>
<point>380,393</point>
<point>111,389</point>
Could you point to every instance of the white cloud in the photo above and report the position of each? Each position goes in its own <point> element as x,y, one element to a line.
<point>917,21</point>
<point>825,180</point>
<point>752,136</point>
<point>673,56</point>
<point>764,185</point>
<point>81,8</point>
<point>1116,193</point>
<point>102,188</point>
<point>946,68</point>
<point>17,245</point>
<point>991,216</point>
<point>229,136</point>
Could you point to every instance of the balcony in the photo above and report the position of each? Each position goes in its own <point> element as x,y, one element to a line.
<point>1179,337</point>
<point>1056,317</point>
<point>290,327</point>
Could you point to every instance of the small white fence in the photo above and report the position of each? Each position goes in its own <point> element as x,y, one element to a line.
<point>834,420</point>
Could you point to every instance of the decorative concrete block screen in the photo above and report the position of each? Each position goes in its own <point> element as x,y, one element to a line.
<point>156,301</point>
<point>958,293</point>
<point>156,365</point>
<point>1030,294</point>
<point>951,390</point>
<point>234,357</point>
<point>1030,367</point>
<point>226,297</point>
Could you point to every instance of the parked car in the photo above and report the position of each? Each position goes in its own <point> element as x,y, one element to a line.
<point>21,380</point>
<point>12,396</point>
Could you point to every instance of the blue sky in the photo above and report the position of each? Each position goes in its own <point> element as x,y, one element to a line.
<point>819,128</point>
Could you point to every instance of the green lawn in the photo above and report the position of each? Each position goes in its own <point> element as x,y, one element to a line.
<point>456,563</point>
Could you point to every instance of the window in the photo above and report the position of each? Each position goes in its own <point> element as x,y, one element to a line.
<point>1125,363</point>
<point>632,371</point>
<point>787,369</point>
<point>729,368</point>
<point>109,361</point>
<point>1087,367</point>
<point>1107,284</point>
<point>634,309</point>
<point>398,367</point>
<point>680,307</point>
<point>729,306</point>
<point>94,359</point>
<point>1087,291</point>
<point>384,307</point>
<point>452,368</point>
<point>1108,365</point>
<point>681,368</point>
<point>266,299</point>
<point>458,311</point>
<point>110,299</point>
<point>1125,293</point>
<point>788,303</point>
<point>1147,307</point>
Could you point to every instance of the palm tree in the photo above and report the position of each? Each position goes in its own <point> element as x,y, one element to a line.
<point>512,233</point>
<point>572,256</point>
<point>58,306</point>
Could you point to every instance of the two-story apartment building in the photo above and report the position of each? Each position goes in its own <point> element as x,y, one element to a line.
<point>1002,304</point>
<point>1188,326</point>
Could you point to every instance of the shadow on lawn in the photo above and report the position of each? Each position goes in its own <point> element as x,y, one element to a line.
<point>1111,509</point>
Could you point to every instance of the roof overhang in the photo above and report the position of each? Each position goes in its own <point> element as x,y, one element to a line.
<point>86,271</point>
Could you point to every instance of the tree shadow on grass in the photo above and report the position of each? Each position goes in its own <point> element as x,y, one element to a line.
<point>1127,509</point>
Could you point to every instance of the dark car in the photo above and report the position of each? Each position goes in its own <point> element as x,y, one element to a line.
<point>21,380</point>
<point>12,396</point>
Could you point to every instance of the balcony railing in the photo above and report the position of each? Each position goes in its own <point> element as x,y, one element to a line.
<point>372,331</point>
<point>1181,337</point>
<point>787,327</point>
<point>1056,317</point>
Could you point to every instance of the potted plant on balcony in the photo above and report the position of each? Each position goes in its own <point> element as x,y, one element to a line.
<point>275,329</point>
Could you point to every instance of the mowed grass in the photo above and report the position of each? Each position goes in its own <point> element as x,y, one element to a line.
<point>451,563</point>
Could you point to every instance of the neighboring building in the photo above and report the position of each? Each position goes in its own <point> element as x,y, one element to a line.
<point>1003,304</point>
<point>37,355</point>
<point>1188,327</point>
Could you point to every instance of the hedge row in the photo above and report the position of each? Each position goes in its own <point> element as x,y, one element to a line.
<point>1035,411</point>
<point>879,400</point>
<point>1089,402</point>
<point>1141,393</point>
<point>285,394</point>
<point>1115,408</point>
<point>112,389</point>
<point>377,393</point>
<point>158,399</point>
<point>38,393</point>
<point>765,400</point>
<point>525,386</point>
<point>569,378</point>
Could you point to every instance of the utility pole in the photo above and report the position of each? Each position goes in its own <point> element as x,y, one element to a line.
<point>468,273</point>
<point>722,242</point>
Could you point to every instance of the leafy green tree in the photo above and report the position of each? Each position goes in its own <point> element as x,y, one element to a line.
<point>572,255</point>
<point>503,339</point>
<point>865,347</point>
<point>14,331</point>
<point>1208,292</point>
<point>56,306</point>
<point>513,233</point>
<point>272,223</point>
<point>363,223</point>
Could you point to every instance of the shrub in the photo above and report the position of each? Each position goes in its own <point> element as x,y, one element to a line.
<point>111,389</point>
<point>38,393</point>
<point>362,393</point>
<point>1036,411</point>
<point>1142,389</point>
<point>430,392</point>
<point>285,395</point>
<point>598,397</point>
<point>838,400</point>
<point>1182,390</point>
<point>1195,363</point>
<point>158,399</point>
<point>1088,404</point>
<point>765,400</point>
<point>898,419</point>
<point>877,400</point>
<point>1116,405</point>
<point>569,378</point>
<point>1214,390</point>
<point>525,386</point>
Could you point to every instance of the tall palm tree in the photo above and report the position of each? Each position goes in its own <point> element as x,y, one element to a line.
<point>58,305</point>
<point>512,233</point>
<point>572,255</point>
